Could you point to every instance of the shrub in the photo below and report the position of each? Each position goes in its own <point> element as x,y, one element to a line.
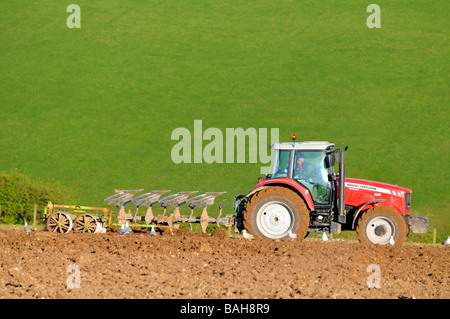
<point>19,193</point>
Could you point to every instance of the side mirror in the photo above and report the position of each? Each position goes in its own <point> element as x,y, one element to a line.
<point>332,160</point>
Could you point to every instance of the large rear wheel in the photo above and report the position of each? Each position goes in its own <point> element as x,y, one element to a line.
<point>378,224</point>
<point>274,211</point>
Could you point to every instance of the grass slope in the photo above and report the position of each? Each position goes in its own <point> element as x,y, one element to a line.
<point>95,107</point>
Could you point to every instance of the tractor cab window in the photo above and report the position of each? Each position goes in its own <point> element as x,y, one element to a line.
<point>281,164</point>
<point>310,170</point>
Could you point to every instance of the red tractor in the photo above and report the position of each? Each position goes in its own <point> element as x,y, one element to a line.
<point>303,194</point>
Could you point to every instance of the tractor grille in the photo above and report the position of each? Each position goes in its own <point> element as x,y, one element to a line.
<point>408,201</point>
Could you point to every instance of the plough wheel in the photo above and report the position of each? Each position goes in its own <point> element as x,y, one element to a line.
<point>85,223</point>
<point>59,222</point>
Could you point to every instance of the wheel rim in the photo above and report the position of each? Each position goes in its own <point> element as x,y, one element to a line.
<point>379,230</point>
<point>85,223</point>
<point>59,222</point>
<point>274,220</point>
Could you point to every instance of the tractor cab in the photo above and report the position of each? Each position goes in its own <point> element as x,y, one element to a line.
<point>310,164</point>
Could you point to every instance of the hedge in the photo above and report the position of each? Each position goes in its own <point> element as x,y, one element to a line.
<point>19,193</point>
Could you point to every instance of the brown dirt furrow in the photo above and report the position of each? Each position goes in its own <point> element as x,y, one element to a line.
<point>198,266</point>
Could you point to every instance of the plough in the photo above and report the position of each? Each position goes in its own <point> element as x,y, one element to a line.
<point>173,219</point>
<point>65,218</point>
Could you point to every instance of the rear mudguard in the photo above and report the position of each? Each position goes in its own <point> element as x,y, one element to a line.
<point>288,183</point>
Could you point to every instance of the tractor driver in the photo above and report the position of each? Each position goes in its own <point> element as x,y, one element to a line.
<point>306,171</point>
<point>300,167</point>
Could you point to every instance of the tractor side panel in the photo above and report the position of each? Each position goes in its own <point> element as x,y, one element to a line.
<point>359,192</point>
<point>356,198</point>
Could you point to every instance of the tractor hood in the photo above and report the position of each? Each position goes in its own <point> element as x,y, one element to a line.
<point>360,192</point>
<point>376,187</point>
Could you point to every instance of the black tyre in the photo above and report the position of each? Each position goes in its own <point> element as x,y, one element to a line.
<point>378,224</point>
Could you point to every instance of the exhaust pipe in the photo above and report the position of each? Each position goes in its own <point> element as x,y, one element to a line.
<point>341,207</point>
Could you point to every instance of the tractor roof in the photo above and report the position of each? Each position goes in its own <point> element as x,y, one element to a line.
<point>308,145</point>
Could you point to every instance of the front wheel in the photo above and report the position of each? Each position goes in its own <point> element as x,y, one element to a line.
<point>273,212</point>
<point>378,224</point>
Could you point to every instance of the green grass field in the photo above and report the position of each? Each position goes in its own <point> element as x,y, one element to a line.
<point>94,108</point>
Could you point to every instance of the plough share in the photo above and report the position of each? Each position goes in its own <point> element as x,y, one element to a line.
<point>172,219</point>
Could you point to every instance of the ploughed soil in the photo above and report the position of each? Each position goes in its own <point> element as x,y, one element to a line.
<point>38,265</point>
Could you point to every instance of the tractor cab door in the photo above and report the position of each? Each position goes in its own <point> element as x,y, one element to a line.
<point>311,169</point>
